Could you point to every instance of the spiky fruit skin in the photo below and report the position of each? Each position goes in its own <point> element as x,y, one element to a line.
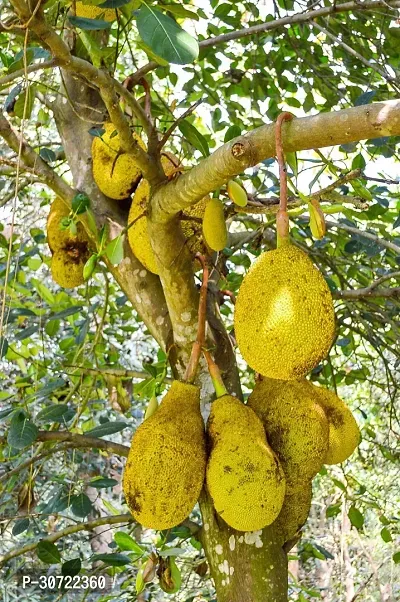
<point>193,229</point>
<point>94,12</point>
<point>66,270</point>
<point>294,512</point>
<point>296,426</point>
<point>214,226</point>
<point>344,434</point>
<point>57,239</point>
<point>165,469</point>
<point>244,477</point>
<point>116,173</point>
<point>284,317</point>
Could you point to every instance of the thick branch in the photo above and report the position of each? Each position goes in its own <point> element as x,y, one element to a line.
<point>89,526</point>
<point>325,129</point>
<point>83,441</point>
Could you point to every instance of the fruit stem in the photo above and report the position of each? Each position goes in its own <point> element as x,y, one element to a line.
<point>193,364</point>
<point>282,218</point>
<point>215,374</point>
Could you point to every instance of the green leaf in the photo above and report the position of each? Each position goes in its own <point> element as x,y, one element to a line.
<point>103,483</point>
<point>112,559</point>
<point>20,107</point>
<point>22,431</point>
<point>386,535</point>
<point>233,131</point>
<point>20,526</point>
<point>48,552</point>
<point>70,311</point>
<point>80,203</point>
<point>125,542</point>
<point>3,346</point>
<point>195,138</point>
<point>43,291</point>
<point>113,3</point>
<point>115,250</point>
<point>165,37</point>
<point>47,155</point>
<point>356,518</point>
<point>52,413</point>
<point>107,428</point>
<point>90,266</point>
<point>396,557</point>
<point>71,567</point>
<point>171,552</point>
<point>81,505</point>
<point>180,11</point>
<point>89,24</point>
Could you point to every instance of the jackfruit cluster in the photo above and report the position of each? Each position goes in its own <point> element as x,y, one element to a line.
<point>166,463</point>
<point>244,477</point>
<point>284,304</point>
<point>69,251</point>
<point>115,172</point>
<point>91,11</point>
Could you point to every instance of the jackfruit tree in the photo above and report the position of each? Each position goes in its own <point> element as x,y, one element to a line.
<point>199,297</point>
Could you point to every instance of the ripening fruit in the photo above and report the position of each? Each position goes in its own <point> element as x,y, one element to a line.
<point>90,11</point>
<point>165,469</point>
<point>284,316</point>
<point>116,173</point>
<point>344,434</point>
<point>294,513</point>
<point>244,477</point>
<point>236,193</point>
<point>67,268</point>
<point>214,227</point>
<point>296,426</point>
<point>57,238</point>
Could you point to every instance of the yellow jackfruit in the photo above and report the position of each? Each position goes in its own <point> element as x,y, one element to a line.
<point>284,317</point>
<point>116,173</point>
<point>57,238</point>
<point>67,268</point>
<point>191,228</point>
<point>90,11</point>
<point>237,193</point>
<point>344,434</point>
<point>296,426</point>
<point>294,513</point>
<point>214,227</point>
<point>244,476</point>
<point>165,469</point>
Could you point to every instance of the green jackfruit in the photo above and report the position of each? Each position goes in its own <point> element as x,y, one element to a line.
<point>214,227</point>
<point>284,317</point>
<point>165,469</point>
<point>296,426</point>
<point>295,510</point>
<point>244,477</point>
<point>116,173</point>
<point>344,434</point>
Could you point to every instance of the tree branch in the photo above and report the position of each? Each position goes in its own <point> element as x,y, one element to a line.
<point>380,241</point>
<point>89,526</point>
<point>84,441</point>
<point>370,291</point>
<point>6,79</point>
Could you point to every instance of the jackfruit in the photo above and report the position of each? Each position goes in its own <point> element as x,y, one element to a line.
<point>165,469</point>
<point>90,11</point>
<point>237,193</point>
<point>57,238</point>
<point>138,236</point>
<point>67,268</point>
<point>116,173</point>
<point>244,477</point>
<point>344,434</point>
<point>214,227</point>
<point>284,317</point>
<point>296,426</point>
<point>294,513</point>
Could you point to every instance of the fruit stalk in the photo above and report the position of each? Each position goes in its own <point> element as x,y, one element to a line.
<point>198,345</point>
<point>282,218</point>
<point>215,374</point>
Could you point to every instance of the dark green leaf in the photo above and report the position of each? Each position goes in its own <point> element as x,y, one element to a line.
<point>108,428</point>
<point>80,203</point>
<point>396,558</point>
<point>112,559</point>
<point>52,413</point>
<point>47,155</point>
<point>365,98</point>
<point>20,526</point>
<point>3,346</point>
<point>113,3</point>
<point>26,332</point>
<point>48,552</point>
<point>70,311</point>
<point>89,24</point>
<point>81,505</point>
<point>386,535</point>
<point>22,431</point>
<point>165,37</point>
<point>195,138</point>
<point>356,518</point>
<point>233,131</point>
<point>103,483</point>
<point>50,387</point>
<point>71,567</point>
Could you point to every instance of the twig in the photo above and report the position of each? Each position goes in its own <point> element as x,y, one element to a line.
<point>380,241</point>
<point>173,127</point>
<point>193,364</point>
<point>123,374</point>
<point>6,79</point>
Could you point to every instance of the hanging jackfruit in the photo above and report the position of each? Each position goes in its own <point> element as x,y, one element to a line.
<point>116,173</point>
<point>284,317</point>
<point>165,469</point>
<point>294,513</point>
<point>57,238</point>
<point>244,477</point>
<point>296,426</point>
<point>67,267</point>
<point>214,227</point>
<point>91,11</point>
<point>344,434</point>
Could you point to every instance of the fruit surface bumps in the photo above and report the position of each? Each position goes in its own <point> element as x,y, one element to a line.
<point>67,268</point>
<point>244,477</point>
<point>94,12</point>
<point>295,511</point>
<point>297,428</point>
<point>166,463</point>
<point>344,434</point>
<point>284,317</point>
<point>214,227</point>
<point>116,173</point>
<point>57,238</point>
